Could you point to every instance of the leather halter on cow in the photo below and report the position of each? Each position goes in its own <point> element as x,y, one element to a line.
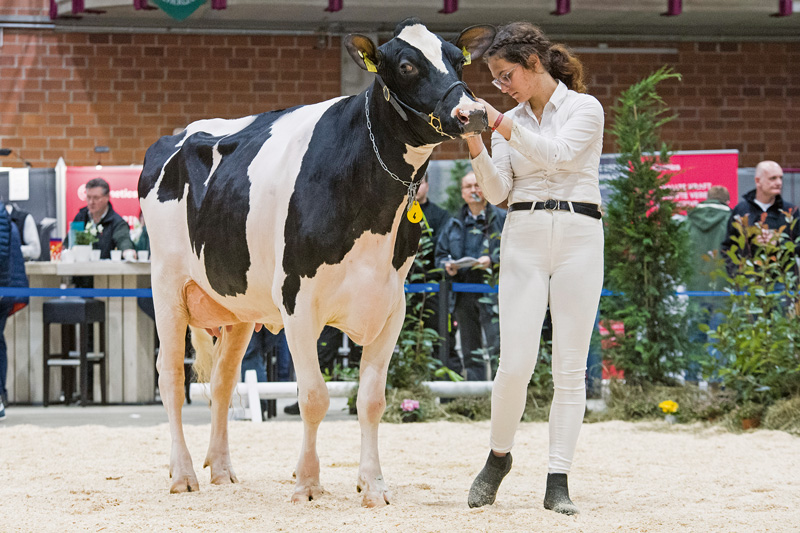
<point>296,219</point>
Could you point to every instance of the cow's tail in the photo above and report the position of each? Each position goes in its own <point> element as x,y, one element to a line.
<point>205,353</point>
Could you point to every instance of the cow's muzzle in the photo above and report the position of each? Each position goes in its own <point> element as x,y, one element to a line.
<point>472,120</point>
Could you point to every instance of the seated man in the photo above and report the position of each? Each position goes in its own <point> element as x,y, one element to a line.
<point>112,230</point>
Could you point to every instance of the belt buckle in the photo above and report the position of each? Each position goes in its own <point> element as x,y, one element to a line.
<point>550,205</point>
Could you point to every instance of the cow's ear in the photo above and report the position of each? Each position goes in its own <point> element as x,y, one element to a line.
<point>476,39</point>
<point>363,51</point>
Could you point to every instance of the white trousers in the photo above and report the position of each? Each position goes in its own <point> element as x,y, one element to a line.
<point>555,257</point>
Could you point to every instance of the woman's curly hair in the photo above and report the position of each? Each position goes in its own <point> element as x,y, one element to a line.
<point>518,41</point>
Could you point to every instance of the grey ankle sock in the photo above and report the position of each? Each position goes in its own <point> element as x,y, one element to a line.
<point>557,496</point>
<point>484,489</point>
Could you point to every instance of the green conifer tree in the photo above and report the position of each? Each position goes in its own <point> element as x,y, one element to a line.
<point>646,249</point>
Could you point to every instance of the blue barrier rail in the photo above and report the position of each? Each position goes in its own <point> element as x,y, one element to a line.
<point>84,293</point>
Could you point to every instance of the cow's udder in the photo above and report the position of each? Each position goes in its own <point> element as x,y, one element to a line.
<point>204,311</point>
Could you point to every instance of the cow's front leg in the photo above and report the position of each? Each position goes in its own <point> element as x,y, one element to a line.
<point>314,402</point>
<point>172,333</point>
<point>229,351</point>
<point>371,404</point>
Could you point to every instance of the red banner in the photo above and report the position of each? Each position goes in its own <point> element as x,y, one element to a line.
<point>694,173</point>
<point>123,184</point>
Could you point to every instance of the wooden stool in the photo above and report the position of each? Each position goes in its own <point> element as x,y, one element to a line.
<point>70,312</point>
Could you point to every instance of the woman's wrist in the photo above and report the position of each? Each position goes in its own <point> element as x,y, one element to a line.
<point>475,145</point>
<point>498,121</point>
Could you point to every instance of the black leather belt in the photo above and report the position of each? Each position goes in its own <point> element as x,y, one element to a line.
<point>590,210</point>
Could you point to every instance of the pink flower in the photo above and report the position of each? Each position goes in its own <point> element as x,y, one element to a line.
<point>409,405</point>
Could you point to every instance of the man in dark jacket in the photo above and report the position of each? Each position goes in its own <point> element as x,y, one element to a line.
<point>113,231</point>
<point>474,233</point>
<point>763,201</point>
<point>6,244</point>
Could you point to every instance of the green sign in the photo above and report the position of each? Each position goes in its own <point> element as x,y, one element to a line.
<point>179,9</point>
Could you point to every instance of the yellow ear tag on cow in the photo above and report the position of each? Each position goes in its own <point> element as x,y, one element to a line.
<point>467,56</point>
<point>415,213</point>
<point>370,65</point>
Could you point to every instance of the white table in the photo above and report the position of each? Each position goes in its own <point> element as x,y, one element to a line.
<point>130,334</point>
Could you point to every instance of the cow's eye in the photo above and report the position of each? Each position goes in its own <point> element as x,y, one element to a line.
<point>407,68</point>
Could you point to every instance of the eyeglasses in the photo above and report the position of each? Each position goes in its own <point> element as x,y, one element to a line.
<point>504,80</point>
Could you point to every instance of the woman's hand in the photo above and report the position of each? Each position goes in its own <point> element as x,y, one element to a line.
<point>491,112</point>
<point>475,145</point>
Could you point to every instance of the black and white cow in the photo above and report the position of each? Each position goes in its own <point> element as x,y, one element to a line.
<point>296,219</point>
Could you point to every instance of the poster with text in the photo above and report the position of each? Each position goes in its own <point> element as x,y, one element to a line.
<point>123,190</point>
<point>693,174</point>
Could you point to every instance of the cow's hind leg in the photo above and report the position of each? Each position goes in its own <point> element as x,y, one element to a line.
<point>371,404</point>
<point>228,353</point>
<point>172,336</point>
<point>314,402</point>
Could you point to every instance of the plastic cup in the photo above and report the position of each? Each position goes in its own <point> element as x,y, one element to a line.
<point>143,255</point>
<point>95,255</point>
<point>116,255</point>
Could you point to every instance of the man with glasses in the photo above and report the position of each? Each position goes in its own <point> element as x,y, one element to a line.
<point>112,230</point>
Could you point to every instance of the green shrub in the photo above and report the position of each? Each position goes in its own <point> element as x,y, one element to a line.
<point>413,362</point>
<point>759,341</point>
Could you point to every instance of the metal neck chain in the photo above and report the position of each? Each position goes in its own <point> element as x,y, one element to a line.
<point>412,186</point>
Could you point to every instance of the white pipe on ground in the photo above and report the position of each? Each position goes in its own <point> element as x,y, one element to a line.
<point>341,389</point>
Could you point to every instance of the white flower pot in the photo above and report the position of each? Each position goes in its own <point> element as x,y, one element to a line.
<point>82,253</point>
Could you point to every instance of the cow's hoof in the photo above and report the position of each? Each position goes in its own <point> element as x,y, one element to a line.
<point>224,476</point>
<point>307,493</point>
<point>184,483</point>
<point>375,494</point>
<point>375,499</point>
<point>221,472</point>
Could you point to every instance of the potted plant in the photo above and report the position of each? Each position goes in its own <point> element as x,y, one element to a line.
<point>410,410</point>
<point>82,248</point>
<point>750,415</point>
<point>669,408</point>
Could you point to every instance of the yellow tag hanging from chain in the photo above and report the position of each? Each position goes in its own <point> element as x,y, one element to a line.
<point>415,213</point>
<point>467,56</point>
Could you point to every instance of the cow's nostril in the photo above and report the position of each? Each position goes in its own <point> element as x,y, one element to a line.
<point>462,117</point>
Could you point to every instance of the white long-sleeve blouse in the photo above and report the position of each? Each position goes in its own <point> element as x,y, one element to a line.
<point>556,159</point>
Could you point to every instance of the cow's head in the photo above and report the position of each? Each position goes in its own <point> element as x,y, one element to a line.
<point>420,75</point>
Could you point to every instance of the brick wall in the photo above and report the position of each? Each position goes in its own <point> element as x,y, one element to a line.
<point>61,94</point>
<point>26,8</point>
